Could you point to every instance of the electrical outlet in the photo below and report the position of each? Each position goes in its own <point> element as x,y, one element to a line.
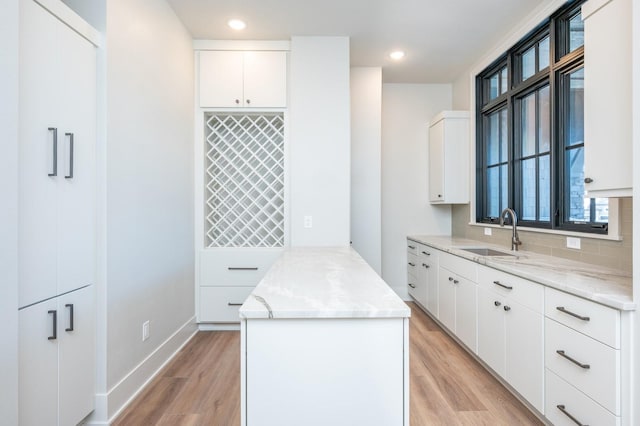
<point>145,330</point>
<point>308,221</point>
<point>573,243</point>
<point>487,231</point>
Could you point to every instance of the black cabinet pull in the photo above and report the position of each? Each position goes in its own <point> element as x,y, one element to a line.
<point>234,304</point>
<point>508,287</point>
<point>411,285</point>
<point>507,308</point>
<point>588,180</point>
<point>412,247</point>
<point>496,303</point>
<point>55,151</point>
<point>426,254</point>
<point>70,306</point>
<point>563,310</point>
<point>70,175</point>
<point>425,265</point>
<point>412,264</point>
<point>54,334</point>
<point>578,363</point>
<point>232,268</point>
<point>566,413</point>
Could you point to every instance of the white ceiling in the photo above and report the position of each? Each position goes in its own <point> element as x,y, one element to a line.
<point>442,38</point>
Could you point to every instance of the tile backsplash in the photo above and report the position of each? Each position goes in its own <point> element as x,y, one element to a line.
<point>614,254</point>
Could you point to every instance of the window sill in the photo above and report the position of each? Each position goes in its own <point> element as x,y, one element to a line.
<point>608,237</point>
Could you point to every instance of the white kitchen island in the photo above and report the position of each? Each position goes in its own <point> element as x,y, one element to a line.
<point>325,341</point>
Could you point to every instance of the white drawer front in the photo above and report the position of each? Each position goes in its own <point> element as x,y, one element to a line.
<point>235,267</point>
<point>221,304</point>
<point>574,403</point>
<point>523,291</point>
<point>427,252</point>
<point>412,265</point>
<point>601,380</point>
<point>463,267</point>
<point>598,321</point>
<point>412,247</point>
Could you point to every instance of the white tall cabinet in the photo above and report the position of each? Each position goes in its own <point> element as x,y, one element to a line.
<point>57,243</point>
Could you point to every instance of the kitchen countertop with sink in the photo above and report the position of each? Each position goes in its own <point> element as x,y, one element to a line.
<point>600,284</point>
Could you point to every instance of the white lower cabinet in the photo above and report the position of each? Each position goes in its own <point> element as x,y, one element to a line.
<point>221,304</point>
<point>57,359</point>
<point>457,306</point>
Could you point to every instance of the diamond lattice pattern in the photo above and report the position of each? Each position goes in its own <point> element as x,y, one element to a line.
<point>244,180</point>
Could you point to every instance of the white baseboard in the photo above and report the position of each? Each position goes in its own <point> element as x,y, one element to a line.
<point>207,326</point>
<point>111,404</point>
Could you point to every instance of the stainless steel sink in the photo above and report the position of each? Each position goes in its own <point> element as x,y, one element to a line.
<point>484,251</point>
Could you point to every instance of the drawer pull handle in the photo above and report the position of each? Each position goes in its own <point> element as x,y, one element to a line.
<point>426,254</point>
<point>411,285</point>
<point>412,264</point>
<point>425,265</point>
<point>562,309</point>
<point>497,303</point>
<point>508,287</point>
<point>507,308</point>
<point>566,413</point>
<point>232,268</point>
<point>234,304</point>
<point>412,247</point>
<point>579,364</point>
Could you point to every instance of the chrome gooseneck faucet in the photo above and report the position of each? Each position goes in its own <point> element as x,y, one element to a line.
<point>515,241</point>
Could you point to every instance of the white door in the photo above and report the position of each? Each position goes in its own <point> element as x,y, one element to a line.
<point>76,324</point>
<point>265,79</point>
<point>436,162</point>
<point>491,330</point>
<point>39,89</point>
<point>220,79</point>
<point>38,358</point>
<point>76,182</point>
<point>466,310</point>
<point>447,299</point>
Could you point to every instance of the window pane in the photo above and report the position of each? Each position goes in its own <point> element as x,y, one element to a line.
<point>493,191</point>
<point>493,142</point>
<point>544,185</point>
<point>528,63</point>
<point>504,179</point>
<point>544,116</point>
<point>576,32</point>
<point>576,108</point>
<point>494,86</point>
<point>504,85</point>
<point>578,205</point>
<point>543,53</point>
<point>602,210</point>
<point>504,136</point>
<point>528,130</point>
<point>529,205</point>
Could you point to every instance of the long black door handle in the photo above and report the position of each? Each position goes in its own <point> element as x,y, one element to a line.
<point>54,171</point>
<point>70,175</point>
<point>54,334</point>
<point>70,306</point>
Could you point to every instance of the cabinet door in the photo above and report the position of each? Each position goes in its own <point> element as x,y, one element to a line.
<point>525,352</point>
<point>423,280</point>
<point>491,330</point>
<point>77,165</point>
<point>265,79</point>
<point>436,162</point>
<point>446,299</point>
<point>39,85</point>
<point>76,354</point>
<point>220,79</point>
<point>466,313</point>
<point>38,370</point>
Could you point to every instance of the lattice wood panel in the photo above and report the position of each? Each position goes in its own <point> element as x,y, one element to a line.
<point>244,180</point>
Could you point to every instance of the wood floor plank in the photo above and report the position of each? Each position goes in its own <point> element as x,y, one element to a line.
<point>201,385</point>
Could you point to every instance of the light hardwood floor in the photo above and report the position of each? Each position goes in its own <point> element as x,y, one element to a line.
<point>201,386</point>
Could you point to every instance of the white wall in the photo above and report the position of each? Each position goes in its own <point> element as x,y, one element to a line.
<point>406,112</point>
<point>366,150</point>
<point>94,11</point>
<point>149,191</point>
<point>635,106</point>
<point>319,137</point>
<point>9,211</point>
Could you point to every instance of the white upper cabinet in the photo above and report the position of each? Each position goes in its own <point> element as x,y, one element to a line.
<point>250,79</point>
<point>607,98</point>
<point>449,158</point>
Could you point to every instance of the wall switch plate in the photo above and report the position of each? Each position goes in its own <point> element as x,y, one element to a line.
<point>308,221</point>
<point>487,231</point>
<point>145,330</point>
<point>573,243</point>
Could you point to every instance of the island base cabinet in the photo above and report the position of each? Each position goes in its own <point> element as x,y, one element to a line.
<point>318,372</point>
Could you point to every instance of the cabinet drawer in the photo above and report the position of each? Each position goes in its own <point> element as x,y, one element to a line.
<point>412,265</point>
<point>576,404</point>
<point>427,252</point>
<point>463,267</point>
<point>599,375</point>
<point>412,247</point>
<point>523,291</point>
<point>598,321</point>
<point>221,304</point>
<point>235,267</point>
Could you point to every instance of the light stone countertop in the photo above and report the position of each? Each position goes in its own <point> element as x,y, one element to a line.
<point>607,286</point>
<point>326,282</point>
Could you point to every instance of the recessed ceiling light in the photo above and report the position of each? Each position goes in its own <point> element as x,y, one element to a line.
<point>236,24</point>
<point>396,55</point>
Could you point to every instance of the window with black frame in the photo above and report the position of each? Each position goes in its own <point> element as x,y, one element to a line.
<point>530,127</point>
